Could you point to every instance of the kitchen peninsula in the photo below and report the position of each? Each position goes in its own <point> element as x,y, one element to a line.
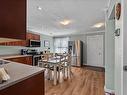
<point>25,79</point>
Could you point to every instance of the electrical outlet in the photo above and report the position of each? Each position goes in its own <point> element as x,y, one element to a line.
<point>117,32</point>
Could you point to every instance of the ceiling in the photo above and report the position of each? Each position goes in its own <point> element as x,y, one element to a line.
<point>83,14</point>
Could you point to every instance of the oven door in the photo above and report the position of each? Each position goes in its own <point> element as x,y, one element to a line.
<point>36,58</point>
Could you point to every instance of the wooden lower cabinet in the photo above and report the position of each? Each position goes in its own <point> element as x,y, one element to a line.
<point>25,60</point>
<point>31,86</point>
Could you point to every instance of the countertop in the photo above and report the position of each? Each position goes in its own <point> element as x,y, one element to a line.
<point>19,72</point>
<point>12,56</point>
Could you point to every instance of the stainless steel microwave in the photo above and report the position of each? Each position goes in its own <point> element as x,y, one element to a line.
<point>34,43</point>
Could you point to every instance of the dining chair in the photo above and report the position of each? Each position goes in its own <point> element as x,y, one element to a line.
<point>64,66</point>
<point>43,63</point>
<point>67,66</point>
<point>59,67</point>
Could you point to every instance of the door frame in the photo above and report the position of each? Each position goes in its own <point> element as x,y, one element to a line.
<point>124,31</point>
<point>94,34</point>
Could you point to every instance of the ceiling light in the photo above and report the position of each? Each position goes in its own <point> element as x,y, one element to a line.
<point>65,22</point>
<point>98,25</point>
<point>39,8</point>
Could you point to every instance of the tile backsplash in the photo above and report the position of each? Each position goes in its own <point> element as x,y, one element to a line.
<point>4,50</point>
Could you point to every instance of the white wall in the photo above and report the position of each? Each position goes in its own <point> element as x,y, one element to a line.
<point>109,54</point>
<point>48,38</point>
<point>119,56</point>
<point>118,49</point>
<point>4,50</point>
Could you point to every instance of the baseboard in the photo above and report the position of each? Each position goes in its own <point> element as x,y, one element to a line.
<point>109,91</point>
<point>102,69</point>
<point>93,66</point>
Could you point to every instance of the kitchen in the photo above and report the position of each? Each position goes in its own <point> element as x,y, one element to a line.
<point>27,55</point>
<point>24,43</point>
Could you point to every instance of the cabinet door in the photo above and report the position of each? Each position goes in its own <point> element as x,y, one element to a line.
<point>36,37</point>
<point>2,44</point>
<point>15,43</point>
<point>14,59</point>
<point>31,36</point>
<point>32,86</point>
<point>13,19</point>
<point>29,60</point>
<point>24,60</point>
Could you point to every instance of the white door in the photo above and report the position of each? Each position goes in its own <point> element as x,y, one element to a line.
<point>95,50</point>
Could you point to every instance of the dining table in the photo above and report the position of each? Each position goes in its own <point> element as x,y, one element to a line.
<point>55,62</point>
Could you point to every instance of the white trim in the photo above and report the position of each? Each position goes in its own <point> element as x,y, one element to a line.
<point>93,66</point>
<point>109,90</point>
<point>109,3</point>
<point>94,32</point>
<point>103,31</point>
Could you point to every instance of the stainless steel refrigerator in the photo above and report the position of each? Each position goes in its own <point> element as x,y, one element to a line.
<point>76,49</point>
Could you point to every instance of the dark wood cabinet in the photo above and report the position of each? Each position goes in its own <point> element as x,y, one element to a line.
<point>31,86</point>
<point>13,19</point>
<point>31,36</point>
<point>25,60</point>
<point>3,44</point>
<point>16,43</point>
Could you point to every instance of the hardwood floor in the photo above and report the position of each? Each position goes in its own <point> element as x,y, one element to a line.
<point>85,81</point>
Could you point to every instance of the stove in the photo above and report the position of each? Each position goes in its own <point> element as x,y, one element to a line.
<point>36,56</point>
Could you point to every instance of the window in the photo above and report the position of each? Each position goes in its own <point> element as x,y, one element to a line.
<point>61,44</point>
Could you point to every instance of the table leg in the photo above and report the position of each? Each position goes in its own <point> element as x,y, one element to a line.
<point>63,72</point>
<point>39,64</point>
<point>55,75</point>
<point>48,74</point>
<point>69,71</point>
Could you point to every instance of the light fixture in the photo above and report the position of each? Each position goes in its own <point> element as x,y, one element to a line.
<point>98,25</point>
<point>39,8</point>
<point>65,22</point>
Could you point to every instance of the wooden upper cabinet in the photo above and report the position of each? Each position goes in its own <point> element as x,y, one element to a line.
<point>13,19</point>
<point>31,36</point>
<point>16,43</point>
